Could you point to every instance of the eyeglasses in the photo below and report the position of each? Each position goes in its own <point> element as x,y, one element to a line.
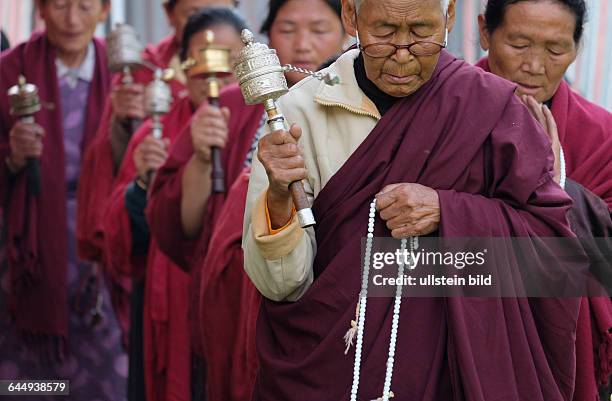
<point>416,48</point>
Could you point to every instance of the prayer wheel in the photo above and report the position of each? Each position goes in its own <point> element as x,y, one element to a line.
<point>24,103</point>
<point>212,62</point>
<point>262,80</point>
<point>124,51</point>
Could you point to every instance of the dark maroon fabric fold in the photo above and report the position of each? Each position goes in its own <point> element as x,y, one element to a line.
<point>585,132</point>
<point>466,135</point>
<point>36,236</point>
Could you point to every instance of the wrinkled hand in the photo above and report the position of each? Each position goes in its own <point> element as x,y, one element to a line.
<point>544,116</point>
<point>209,128</point>
<point>283,161</point>
<point>281,157</point>
<point>128,101</point>
<point>409,209</point>
<point>26,140</point>
<point>150,155</point>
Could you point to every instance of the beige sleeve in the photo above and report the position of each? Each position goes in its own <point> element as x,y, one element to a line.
<point>279,265</point>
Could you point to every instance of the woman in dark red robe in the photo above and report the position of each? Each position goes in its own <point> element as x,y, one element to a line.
<point>162,327</point>
<point>584,135</point>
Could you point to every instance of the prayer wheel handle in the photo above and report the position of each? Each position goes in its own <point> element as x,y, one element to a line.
<point>276,122</point>
<point>218,175</point>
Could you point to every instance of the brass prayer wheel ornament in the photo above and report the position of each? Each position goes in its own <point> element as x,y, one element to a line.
<point>24,103</point>
<point>262,80</point>
<point>212,62</point>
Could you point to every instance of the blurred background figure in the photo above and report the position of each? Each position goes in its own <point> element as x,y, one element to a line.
<point>55,314</point>
<point>164,327</point>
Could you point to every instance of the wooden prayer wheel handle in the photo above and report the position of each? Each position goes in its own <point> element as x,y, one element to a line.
<point>33,167</point>
<point>218,175</point>
<point>300,200</point>
<point>276,122</point>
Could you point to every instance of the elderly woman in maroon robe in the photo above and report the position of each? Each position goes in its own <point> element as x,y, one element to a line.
<point>532,44</point>
<point>55,319</point>
<point>446,150</point>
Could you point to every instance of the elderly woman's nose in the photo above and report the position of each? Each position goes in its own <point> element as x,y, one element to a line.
<point>534,63</point>
<point>72,15</point>
<point>402,56</point>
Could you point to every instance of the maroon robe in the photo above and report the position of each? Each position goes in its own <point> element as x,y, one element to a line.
<point>98,180</point>
<point>36,227</point>
<point>229,305</point>
<point>585,133</point>
<point>465,134</point>
<point>167,351</point>
<point>164,210</point>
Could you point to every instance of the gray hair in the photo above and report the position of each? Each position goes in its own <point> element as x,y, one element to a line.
<point>443,3</point>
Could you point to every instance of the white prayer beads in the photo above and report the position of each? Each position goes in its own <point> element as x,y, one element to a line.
<point>361,311</point>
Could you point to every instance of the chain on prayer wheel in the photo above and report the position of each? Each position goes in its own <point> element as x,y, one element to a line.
<point>25,102</point>
<point>212,62</point>
<point>262,80</point>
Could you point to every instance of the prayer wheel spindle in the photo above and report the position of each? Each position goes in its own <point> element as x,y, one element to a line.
<point>25,103</point>
<point>158,100</point>
<point>213,62</point>
<point>124,55</point>
<point>262,81</point>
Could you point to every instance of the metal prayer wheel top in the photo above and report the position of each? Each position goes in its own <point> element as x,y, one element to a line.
<point>124,48</point>
<point>210,60</point>
<point>259,71</point>
<point>23,98</point>
<point>158,95</point>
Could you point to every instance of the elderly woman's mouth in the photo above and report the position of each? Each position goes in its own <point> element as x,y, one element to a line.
<point>399,79</point>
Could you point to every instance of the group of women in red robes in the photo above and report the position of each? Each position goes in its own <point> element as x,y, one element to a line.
<point>165,250</point>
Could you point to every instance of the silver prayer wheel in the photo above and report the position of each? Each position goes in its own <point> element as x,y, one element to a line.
<point>158,100</point>
<point>124,48</point>
<point>261,75</point>
<point>23,99</point>
<point>158,95</point>
<point>259,71</point>
<point>262,80</point>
